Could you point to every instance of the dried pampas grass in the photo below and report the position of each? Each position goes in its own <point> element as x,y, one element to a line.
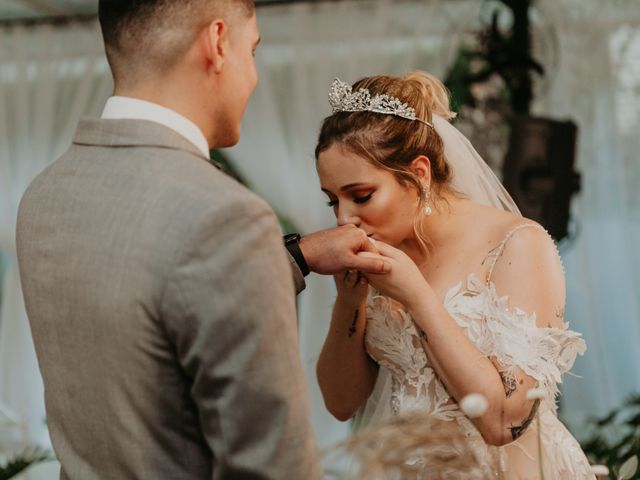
<point>413,446</point>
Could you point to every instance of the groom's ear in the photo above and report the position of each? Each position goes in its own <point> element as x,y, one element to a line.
<point>216,44</point>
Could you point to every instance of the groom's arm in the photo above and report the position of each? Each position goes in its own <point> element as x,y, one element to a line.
<point>233,322</point>
<point>332,251</point>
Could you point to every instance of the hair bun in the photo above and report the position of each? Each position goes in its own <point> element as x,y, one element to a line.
<point>432,91</point>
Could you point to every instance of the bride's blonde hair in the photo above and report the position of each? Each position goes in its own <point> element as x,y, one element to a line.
<point>390,142</point>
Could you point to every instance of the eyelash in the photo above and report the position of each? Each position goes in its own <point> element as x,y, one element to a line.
<point>358,200</point>
<point>364,199</point>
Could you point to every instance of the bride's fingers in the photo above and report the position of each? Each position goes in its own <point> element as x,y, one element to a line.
<point>386,250</point>
<point>352,278</point>
<point>373,263</point>
<point>370,255</point>
<point>369,245</point>
<point>360,279</point>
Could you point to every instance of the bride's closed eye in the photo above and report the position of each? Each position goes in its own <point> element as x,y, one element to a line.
<point>363,199</point>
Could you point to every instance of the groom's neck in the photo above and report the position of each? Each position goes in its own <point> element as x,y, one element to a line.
<point>175,95</point>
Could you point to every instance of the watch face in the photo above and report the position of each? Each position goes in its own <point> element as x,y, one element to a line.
<point>292,238</point>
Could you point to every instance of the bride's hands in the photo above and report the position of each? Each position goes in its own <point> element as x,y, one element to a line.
<point>352,288</point>
<point>404,283</point>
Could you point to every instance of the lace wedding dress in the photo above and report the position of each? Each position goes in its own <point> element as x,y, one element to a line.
<point>407,381</point>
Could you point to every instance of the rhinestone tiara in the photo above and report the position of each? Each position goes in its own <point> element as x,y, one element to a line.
<point>343,99</point>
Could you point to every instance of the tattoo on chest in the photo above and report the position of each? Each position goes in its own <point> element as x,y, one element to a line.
<point>510,383</point>
<point>518,430</point>
<point>353,327</point>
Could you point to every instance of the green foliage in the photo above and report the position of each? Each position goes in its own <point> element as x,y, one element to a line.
<point>458,79</point>
<point>616,438</point>
<point>628,468</point>
<point>505,53</point>
<point>21,462</point>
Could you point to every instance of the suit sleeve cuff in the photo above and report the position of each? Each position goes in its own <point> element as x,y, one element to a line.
<point>298,277</point>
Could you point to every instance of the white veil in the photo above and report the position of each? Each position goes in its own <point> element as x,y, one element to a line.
<point>474,179</point>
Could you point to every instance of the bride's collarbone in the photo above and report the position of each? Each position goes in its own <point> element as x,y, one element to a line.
<point>445,273</point>
<point>453,264</point>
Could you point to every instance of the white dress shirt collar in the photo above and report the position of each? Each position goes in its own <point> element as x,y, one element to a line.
<point>132,108</point>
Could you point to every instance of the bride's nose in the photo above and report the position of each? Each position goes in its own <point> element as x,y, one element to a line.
<point>347,216</point>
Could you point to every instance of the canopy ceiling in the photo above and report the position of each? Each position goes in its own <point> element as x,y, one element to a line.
<point>13,9</point>
<point>35,9</point>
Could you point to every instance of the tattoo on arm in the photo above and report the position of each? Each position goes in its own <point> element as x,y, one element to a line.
<point>510,383</point>
<point>518,430</point>
<point>423,335</point>
<point>560,313</point>
<point>352,328</point>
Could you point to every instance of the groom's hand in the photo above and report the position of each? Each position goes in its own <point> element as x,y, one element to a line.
<point>335,250</point>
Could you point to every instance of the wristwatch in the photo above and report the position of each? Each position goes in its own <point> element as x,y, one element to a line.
<point>292,243</point>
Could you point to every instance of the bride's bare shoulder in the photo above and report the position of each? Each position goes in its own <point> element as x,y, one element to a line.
<point>493,224</point>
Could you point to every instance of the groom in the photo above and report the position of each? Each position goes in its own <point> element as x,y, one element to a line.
<point>158,290</point>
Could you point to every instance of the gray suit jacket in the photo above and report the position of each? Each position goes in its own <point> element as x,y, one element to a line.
<point>162,309</point>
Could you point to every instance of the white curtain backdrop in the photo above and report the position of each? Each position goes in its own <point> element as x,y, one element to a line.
<point>597,84</point>
<point>49,77</point>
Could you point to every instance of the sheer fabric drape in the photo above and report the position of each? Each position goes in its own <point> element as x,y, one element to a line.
<point>597,84</point>
<point>49,77</point>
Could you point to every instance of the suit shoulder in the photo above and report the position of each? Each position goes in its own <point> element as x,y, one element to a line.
<point>212,188</point>
<point>35,188</point>
<point>198,191</point>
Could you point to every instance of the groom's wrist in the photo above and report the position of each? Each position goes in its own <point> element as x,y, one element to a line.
<point>292,244</point>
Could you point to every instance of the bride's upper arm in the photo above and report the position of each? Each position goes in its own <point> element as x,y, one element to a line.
<point>530,273</point>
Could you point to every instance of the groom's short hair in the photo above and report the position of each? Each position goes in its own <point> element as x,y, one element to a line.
<point>147,36</point>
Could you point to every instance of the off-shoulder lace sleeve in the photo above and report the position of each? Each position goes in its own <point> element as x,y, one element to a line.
<point>511,336</point>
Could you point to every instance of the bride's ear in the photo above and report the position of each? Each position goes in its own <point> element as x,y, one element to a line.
<point>421,168</point>
<point>215,44</point>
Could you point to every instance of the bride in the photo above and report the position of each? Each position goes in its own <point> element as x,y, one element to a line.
<point>475,299</point>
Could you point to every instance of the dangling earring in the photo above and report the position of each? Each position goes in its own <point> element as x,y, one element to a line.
<point>425,195</point>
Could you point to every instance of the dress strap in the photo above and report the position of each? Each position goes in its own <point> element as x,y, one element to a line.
<point>496,253</point>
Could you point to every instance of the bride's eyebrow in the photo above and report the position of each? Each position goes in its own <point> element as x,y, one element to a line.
<point>345,187</point>
<point>351,185</point>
